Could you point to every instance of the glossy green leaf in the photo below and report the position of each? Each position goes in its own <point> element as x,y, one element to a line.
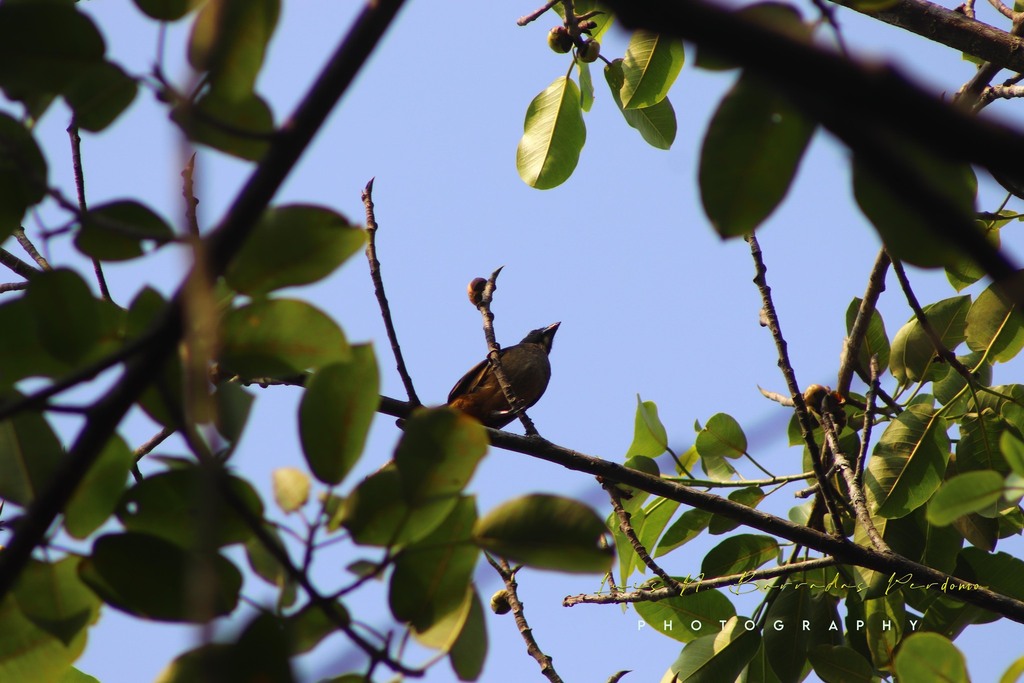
<point>96,498</point>
<point>376,512</point>
<point>101,94</point>
<point>994,326</point>
<point>23,174</point>
<point>689,525</point>
<point>547,532</point>
<point>657,516</point>
<point>964,272</point>
<point>951,390</point>
<point>229,40</point>
<point>280,337</point>
<point>29,455</point>
<point>978,447</point>
<point>586,85</point>
<point>468,653</point>
<point>240,127</point>
<point>650,67</point>
<point>553,136</point>
<point>120,230</point>
<point>309,626</point>
<point>431,577</point>
<point>687,617</point>
<point>55,600</point>
<point>875,341</point>
<point>438,453</point>
<point>721,437</point>
<point>751,152</point>
<point>67,315</point>
<point>656,123</point>
<point>930,657</point>
<point>913,356</point>
<point>718,657</point>
<point>908,463</point>
<point>738,554</point>
<point>907,234</point>
<point>649,435</point>
<point>45,47</point>
<point>977,491</point>
<point>43,621</point>
<point>293,245</point>
<point>444,632</point>
<point>840,664</point>
<point>336,412</point>
<point>167,10</point>
<point>183,506</point>
<point>152,578</point>
<point>1012,449</point>
<point>291,488</point>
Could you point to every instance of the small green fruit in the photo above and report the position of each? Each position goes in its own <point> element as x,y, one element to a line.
<point>559,40</point>
<point>590,51</point>
<point>499,602</point>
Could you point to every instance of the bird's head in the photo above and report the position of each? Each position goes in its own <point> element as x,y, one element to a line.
<point>543,336</point>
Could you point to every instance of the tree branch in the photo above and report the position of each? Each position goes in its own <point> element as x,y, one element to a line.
<point>851,347</point>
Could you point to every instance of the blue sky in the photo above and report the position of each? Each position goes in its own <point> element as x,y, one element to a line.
<point>651,301</point>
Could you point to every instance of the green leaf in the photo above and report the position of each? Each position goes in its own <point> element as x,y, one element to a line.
<point>689,525</point>
<point>240,127</point>
<point>53,598</point>
<point>547,532</point>
<point>751,496</point>
<point>293,245</point>
<point>930,657</point>
<point>376,512</point>
<point>965,272</point>
<point>739,554</point>
<point>718,657</point>
<point>687,617</point>
<point>951,390</point>
<point>431,577</point>
<point>101,94</point>
<point>280,338</point>
<point>45,47</point>
<point>586,85</point>
<point>751,153</point>
<point>21,353</point>
<point>840,664</point>
<point>29,455</point>
<point>119,230</point>
<point>443,633</point>
<point>994,326</point>
<point>67,315</point>
<point>183,506</point>
<point>23,175</point>
<point>469,651</point>
<point>229,40</point>
<point>96,498</point>
<point>721,437</point>
<point>167,10</point>
<point>786,638</point>
<point>438,453</point>
<point>309,626</point>
<point>154,579</point>
<point>908,463</point>
<point>233,406</point>
<point>908,235</point>
<point>977,491</point>
<point>291,488</point>
<point>875,341</point>
<point>553,136</point>
<point>267,567</point>
<point>649,68</point>
<point>656,123</point>
<point>336,412</point>
<point>978,447</point>
<point>1012,449</point>
<point>649,435</point>
<point>913,356</point>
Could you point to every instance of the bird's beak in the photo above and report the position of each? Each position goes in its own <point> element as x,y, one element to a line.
<point>550,329</point>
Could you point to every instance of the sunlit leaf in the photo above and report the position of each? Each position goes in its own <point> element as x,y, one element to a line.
<point>553,136</point>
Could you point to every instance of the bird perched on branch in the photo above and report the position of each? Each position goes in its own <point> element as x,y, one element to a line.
<point>528,370</point>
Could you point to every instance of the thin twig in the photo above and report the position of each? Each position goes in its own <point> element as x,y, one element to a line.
<point>30,249</point>
<point>12,286</point>
<point>689,587</point>
<point>869,418</point>
<point>626,527</point>
<point>1002,9</point>
<point>806,427</point>
<point>860,506</point>
<point>536,14</point>
<point>382,299</point>
<point>849,360</point>
<point>742,483</point>
<point>17,265</point>
<point>508,575</point>
<point>154,441</point>
<point>483,304</point>
<point>188,192</point>
<point>76,163</point>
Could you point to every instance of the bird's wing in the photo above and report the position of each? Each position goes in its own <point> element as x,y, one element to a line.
<point>470,381</point>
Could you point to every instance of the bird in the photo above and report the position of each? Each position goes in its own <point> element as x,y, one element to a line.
<point>528,369</point>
